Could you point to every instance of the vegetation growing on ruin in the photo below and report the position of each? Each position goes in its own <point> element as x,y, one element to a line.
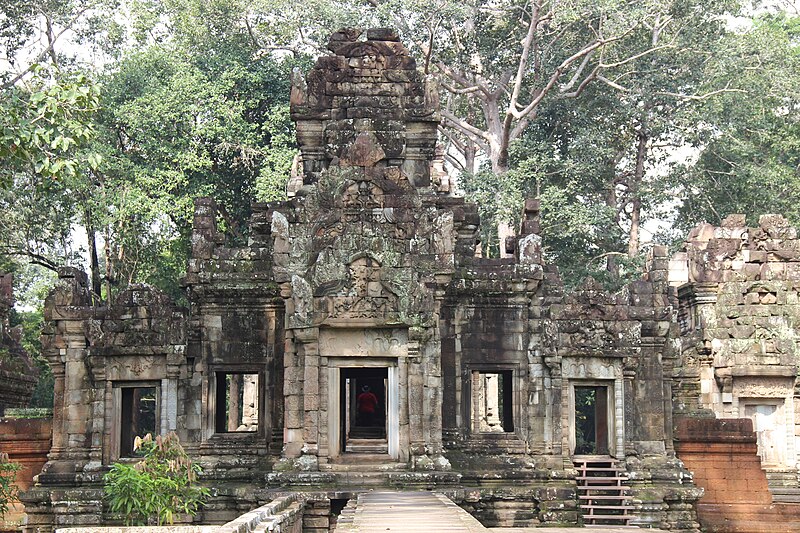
<point>8,486</point>
<point>157,489</point>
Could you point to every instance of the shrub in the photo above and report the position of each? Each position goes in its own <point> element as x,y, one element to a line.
<point>161,485</point>
<point>8,487</point>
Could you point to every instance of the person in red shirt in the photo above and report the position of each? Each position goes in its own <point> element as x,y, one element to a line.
<point>367,404</point>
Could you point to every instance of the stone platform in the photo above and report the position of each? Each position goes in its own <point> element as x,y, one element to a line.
<point>412,512</point>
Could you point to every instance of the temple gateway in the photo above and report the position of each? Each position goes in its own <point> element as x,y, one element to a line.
<point>358,341</point>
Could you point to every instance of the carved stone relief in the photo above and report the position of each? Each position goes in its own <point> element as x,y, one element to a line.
<point>364,295</point>
<point>136,367</point>
<point>763,387</point>
<point>583,368</point>
<point>363,342</point>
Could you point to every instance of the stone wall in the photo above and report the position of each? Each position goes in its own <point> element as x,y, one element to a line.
<point>281,515</point>
<point>738,311</point>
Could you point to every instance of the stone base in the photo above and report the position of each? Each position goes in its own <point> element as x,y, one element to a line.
<point>664,495</point>
<point>749,518</point>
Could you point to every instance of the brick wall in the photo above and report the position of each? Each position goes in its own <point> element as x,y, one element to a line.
<point>27,442</point>
<point>723,455</point>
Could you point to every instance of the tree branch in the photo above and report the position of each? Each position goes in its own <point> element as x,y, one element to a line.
<point>44,53</point>
<point>636,56</point>
<point>554,77</point>
<point>700,97</point>
<point>479,137</point>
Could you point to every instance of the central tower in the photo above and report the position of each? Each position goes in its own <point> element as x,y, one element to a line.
<point>363,253</point>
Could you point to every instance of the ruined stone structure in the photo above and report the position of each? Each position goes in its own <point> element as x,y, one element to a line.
<point>18,374</point>
<point>738,313</point>
<point>357,341</point>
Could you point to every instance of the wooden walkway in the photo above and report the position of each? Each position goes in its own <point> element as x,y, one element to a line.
<point>428,512</point>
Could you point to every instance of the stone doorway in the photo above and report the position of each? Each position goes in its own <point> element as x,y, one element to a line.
<point>364,406</point>
<point>590,425</point>
<point>357,433</point>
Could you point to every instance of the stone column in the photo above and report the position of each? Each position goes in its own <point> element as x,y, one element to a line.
<point>250,402</point>
<point>619,417</point>
<point>311,396</point>
<point>233,393</point>
<point>59,399</point>
<point>416,397</point>
<point>477,401</point>
<point>292,397</point>
<point>403,406</point>
<point>492,396</point>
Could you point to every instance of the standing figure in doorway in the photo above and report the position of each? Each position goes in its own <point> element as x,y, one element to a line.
<point>367,404</point>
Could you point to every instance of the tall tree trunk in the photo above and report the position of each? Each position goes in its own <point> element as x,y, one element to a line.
<point>91,234</point>
<point>470,155</point>
<point>611,259</point>
<point>109,257</point>
<point>634,188</point>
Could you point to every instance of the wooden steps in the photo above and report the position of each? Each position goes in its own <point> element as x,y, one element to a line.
<point>602,491</point>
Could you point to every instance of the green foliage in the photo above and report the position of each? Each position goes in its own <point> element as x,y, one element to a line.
<point>32,320</point>
<point>159,487</point>
<point>8,487</point>
<point>44,125</point>
<point>748,136</point>
<point>29,413</point>
<point>195,110</point>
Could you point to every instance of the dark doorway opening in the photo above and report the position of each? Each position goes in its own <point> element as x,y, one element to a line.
<point>138,417</point>
<point>591,420</point>
<point>363,409</point>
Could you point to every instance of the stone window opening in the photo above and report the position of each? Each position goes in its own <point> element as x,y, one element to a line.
<point>138,414</point>
<point>492,401</point>
<point>237,402</point>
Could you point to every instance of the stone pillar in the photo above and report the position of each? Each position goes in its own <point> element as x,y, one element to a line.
<point>403,405</point>
<point>492,395</point>
<point>250,402</point>
<point>234,385</point>
<point>416,396</point>
<point>477,401</point>
<point>293,397</point>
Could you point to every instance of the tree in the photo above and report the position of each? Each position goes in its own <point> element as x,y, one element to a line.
<point>195,111</point>
<point>597,162</point>
<point>507,58</point>
<point>47,99</point>
<point>748,141</point>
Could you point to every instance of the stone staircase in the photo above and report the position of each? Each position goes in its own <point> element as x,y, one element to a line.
<point>602,491</point>
<point>366,446</point>
<point>783,485</point>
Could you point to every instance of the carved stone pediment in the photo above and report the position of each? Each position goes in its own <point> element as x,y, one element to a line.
<point>363,295</point>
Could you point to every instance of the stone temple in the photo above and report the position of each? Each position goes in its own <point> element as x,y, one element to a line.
<point>491,384</point>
